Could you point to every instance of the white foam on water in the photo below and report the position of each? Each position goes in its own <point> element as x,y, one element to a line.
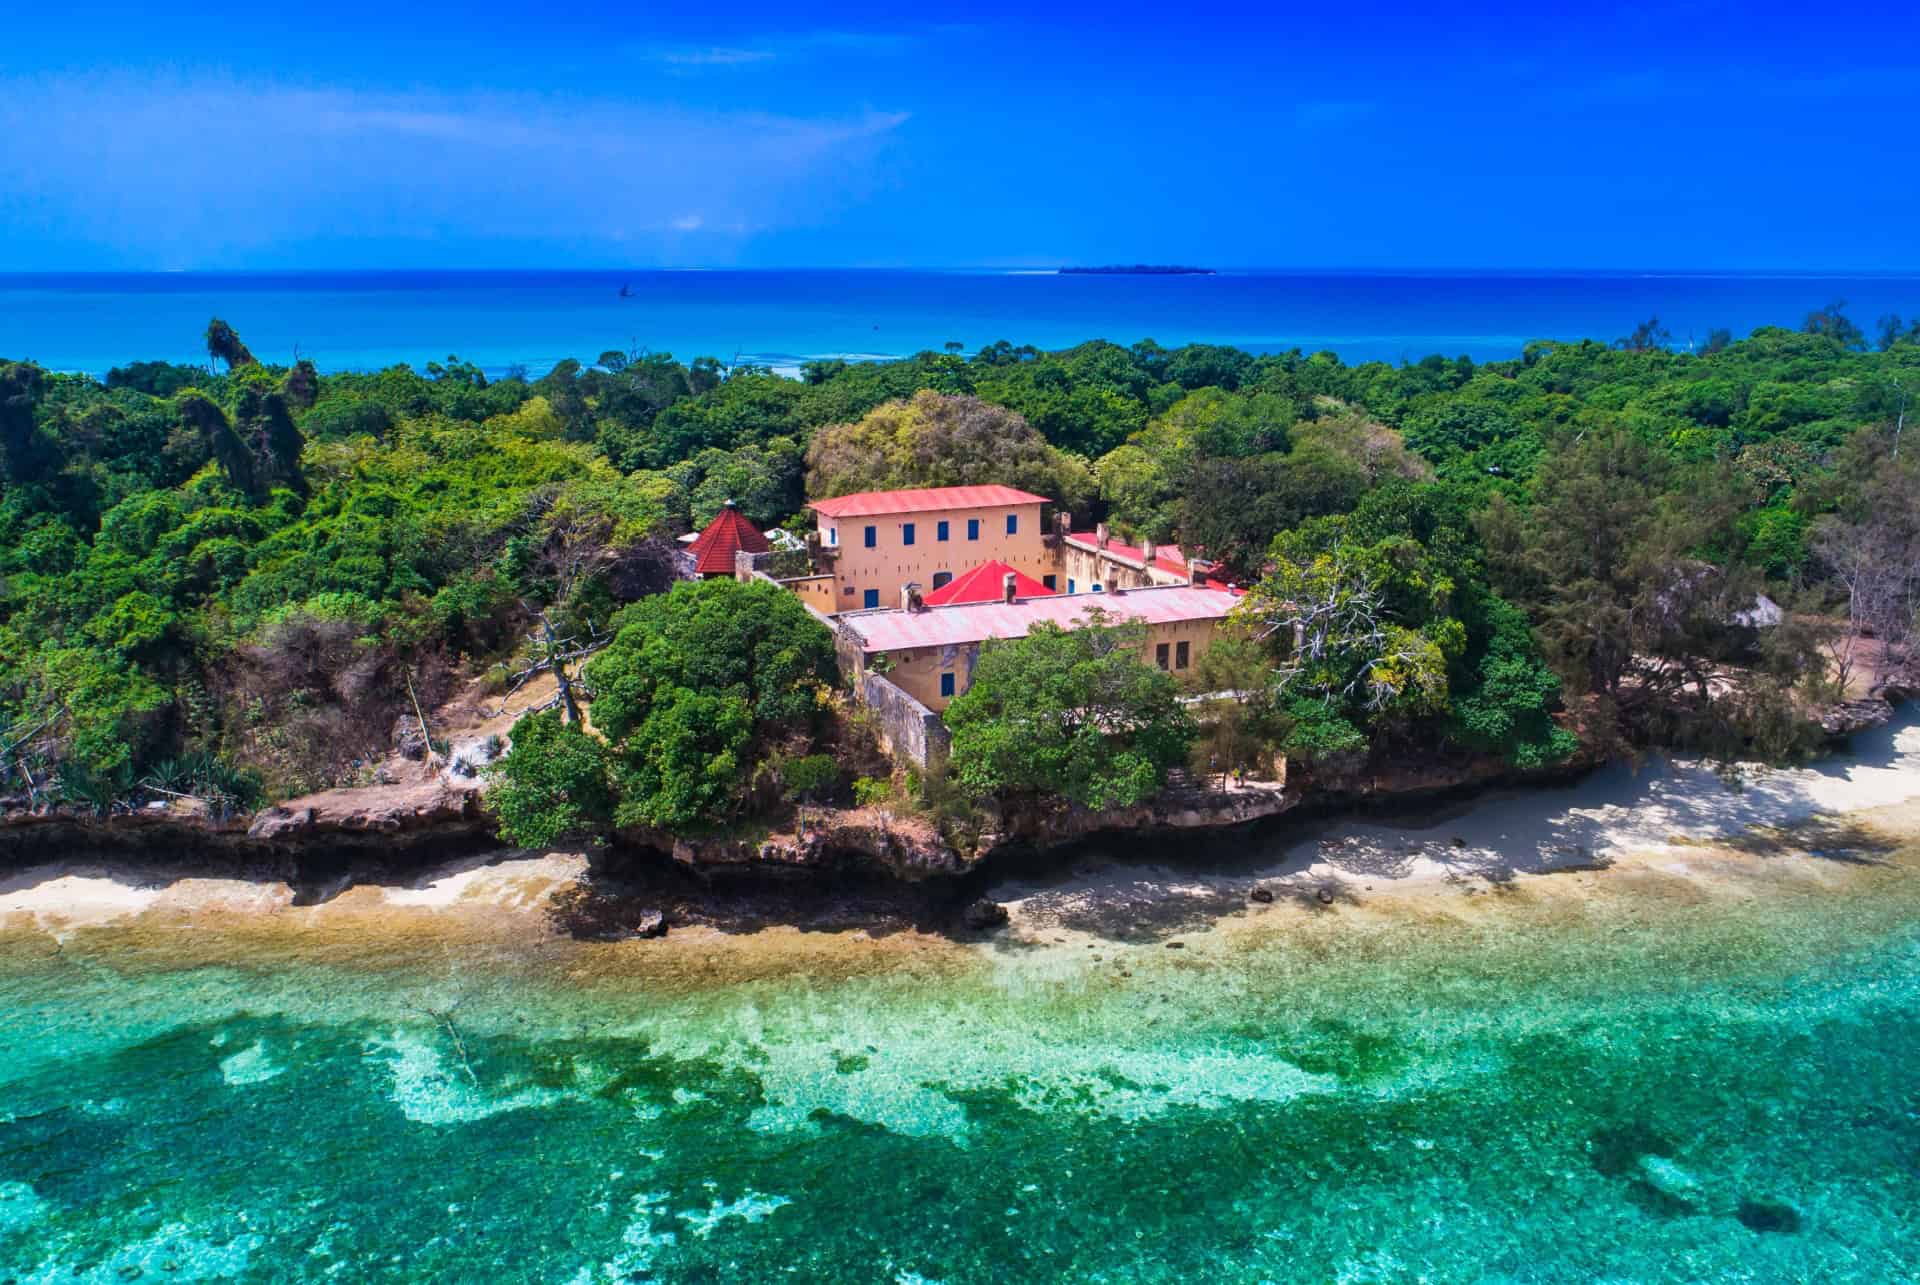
<point>429,1089</point>
<point>751,1207</point>
<point>250,1065</point>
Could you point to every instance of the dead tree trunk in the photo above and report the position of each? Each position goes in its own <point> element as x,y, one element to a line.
<point>559,664</point>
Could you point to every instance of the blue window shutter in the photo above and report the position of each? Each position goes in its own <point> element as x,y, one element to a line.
<point>1051,582</point>
<point>906,533</point>
<point>1070,586</point>
<point>940,531</point>
<point>973,528</point>
<point>1013,524</point>
<point>946,684</point>
<point>871,600</point>
<point>873,536</point>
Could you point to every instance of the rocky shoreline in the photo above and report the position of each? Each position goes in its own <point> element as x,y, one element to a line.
<point>829,859</point>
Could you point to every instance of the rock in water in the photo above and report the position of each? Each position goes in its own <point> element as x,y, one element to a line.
<point>1670,1179</point>
<point>1768,1215</point>
<point>984,915</point>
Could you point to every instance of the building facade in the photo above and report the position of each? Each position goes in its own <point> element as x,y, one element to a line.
<point>878,542</point>
<point>930,653</point>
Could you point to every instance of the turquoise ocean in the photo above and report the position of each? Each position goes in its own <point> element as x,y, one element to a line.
<point>367,320</point>
<point>1640,1074</point>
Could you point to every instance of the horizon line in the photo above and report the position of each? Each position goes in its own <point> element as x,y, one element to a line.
<point>1010,269</point>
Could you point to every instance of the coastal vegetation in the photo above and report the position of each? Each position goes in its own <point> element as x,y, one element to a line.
<point>1073,712</point>
<point>261,566</point>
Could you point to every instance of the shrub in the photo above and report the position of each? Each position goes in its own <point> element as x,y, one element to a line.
<point>553,782</point>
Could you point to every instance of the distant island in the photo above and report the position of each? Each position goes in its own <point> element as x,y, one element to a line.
<point>1138,270</point>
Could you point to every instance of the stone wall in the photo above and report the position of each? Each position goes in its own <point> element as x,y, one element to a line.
<point>912,733</point>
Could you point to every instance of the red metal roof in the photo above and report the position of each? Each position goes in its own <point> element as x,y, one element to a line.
<point>869,504</point>
<point>985,583</point>
<point>726,535</point>
<point>1167,557</point>
<point>953,626</point>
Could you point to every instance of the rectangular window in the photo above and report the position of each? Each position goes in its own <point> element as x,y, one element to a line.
<point>870,599</point>
<point>1180,656</point>
<point>1013,524</point>
<point>1071,587</point>
<point>873,536</point>
<point>946,684</point>
<point>1160,655</point>
<point>906,533</point>
<point>940,532</point>
<point>973,528</point>
<point>1098,587</point>
<point>833,535</point>
<point>1051,582</point>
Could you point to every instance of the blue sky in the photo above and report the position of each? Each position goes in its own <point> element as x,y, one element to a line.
<point>1697,135</point>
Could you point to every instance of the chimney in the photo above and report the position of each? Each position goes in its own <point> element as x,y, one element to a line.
<point>1007,587</point>
<point>1147,550</point>
<point>1101,535</point>
<point>1063,522</point>
<point>910,596</point>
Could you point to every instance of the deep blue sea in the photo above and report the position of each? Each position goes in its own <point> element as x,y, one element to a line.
<point>367,320</point>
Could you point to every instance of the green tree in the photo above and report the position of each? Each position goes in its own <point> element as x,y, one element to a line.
<point>1833,322</point>
<point>1074,712</point>
<point>683,766</point>
<point>1648,336</point>
<point>552,782</point>
<point>698,686</point>
<point>936,440</point>
<point>223,344</point>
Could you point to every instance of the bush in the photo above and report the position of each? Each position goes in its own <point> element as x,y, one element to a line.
<point>1074,712</point>
<point>806,777</point>
<point>553,782</point>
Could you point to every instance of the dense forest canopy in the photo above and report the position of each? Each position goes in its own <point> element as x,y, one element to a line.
<point>237,575</point>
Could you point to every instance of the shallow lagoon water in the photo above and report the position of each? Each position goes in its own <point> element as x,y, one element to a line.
<point>1622,1076</point>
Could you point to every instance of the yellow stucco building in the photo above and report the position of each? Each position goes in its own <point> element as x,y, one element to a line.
<point>930,653</point>
<point>878,542</point>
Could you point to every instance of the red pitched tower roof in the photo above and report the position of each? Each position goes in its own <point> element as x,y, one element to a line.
<point>985,583</point>
<point>726,535</point>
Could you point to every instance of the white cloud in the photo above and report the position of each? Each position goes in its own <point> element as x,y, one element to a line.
<point>711,57</point>
<point>210,172</point>
<point>786,47</point>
